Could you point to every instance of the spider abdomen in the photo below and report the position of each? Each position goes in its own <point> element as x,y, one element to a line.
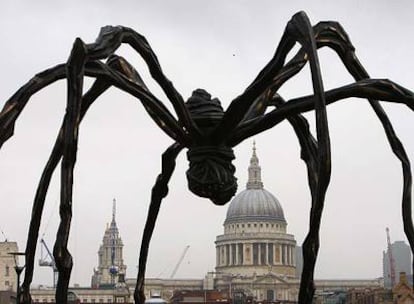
<point>211,173</point>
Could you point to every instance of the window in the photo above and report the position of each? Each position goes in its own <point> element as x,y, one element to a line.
<point>7,283</point>
<point>7,272</point>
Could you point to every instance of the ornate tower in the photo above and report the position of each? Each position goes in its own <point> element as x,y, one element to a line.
<point>110,259</point>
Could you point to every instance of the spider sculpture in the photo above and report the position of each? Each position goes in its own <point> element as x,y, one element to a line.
<point>208,132</point>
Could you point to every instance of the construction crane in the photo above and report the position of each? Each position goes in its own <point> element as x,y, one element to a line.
<point>47,259</point>
<point>179,261</point>
<point>390,258</point>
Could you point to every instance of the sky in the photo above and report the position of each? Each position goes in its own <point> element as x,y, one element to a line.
<point>219,46</point>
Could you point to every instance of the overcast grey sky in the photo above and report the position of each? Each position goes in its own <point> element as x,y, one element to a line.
<point>219,46</point>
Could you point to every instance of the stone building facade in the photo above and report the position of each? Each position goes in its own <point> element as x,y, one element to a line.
<point>110,256</point>
<point>8,277</point>
<point>256,254</point>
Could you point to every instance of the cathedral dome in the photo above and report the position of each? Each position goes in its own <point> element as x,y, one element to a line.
<point>254,203</point>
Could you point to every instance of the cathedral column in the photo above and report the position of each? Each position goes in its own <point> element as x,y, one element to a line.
<point>286,254</point>
<point>237,254</point>
<point>259,253</point>
<point>226,258</point>
<point>230,255</point>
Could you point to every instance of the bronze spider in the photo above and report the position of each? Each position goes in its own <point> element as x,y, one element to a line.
<point>205,129</point>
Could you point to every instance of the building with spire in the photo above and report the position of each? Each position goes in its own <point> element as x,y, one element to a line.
<point>255,250</point>
<point>111,267</point>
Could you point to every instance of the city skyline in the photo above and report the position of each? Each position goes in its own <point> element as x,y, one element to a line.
<point>225,44</point>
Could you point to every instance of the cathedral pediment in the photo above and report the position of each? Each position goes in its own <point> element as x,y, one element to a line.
<point>270,278</point>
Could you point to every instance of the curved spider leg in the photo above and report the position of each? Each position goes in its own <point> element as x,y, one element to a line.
<point>63,259</point>
<point>159,191</point>
<point>97,88</point>
<point>341,43</point>
<point>307,142</point>
<point>241,104</point>
<point>327,33</point>
<point>154,107</point>
<point>300,125</point>
<point>377,89</point>
<point>332,35</point>
<point>109,40</point>
<point>101,84</point>
<point>15,104</point>
<point>160,114</point>
<point>303,29</point>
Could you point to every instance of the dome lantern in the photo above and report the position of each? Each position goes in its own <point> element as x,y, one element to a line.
<point>255,202</point>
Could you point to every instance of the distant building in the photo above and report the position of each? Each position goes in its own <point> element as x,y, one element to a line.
<point>401,253</point>
<point>256,254</point>
<point>257,261</point>
<point>8,277</point>
<point>110,257</point>
<point>403,291</point>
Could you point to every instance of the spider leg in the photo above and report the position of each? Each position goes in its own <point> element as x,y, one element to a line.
<point>241,104</point>
<point>98,87</point>
<point>378,89</point>
<point>307,142</point>
<point>75,73</point>
<point>128,81</point>
<point>341,43</point>
<point>159,191</point>
<point>332,35</point>
<point>14,106</point>
<point>154,107</point>
<point>109,40</point>
<point>303,30</point>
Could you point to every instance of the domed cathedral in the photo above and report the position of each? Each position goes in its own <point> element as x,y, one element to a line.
<point>255,254</point>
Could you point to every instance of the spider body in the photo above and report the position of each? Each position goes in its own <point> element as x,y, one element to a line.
<point>211,172</point>
<point>206,130</point>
